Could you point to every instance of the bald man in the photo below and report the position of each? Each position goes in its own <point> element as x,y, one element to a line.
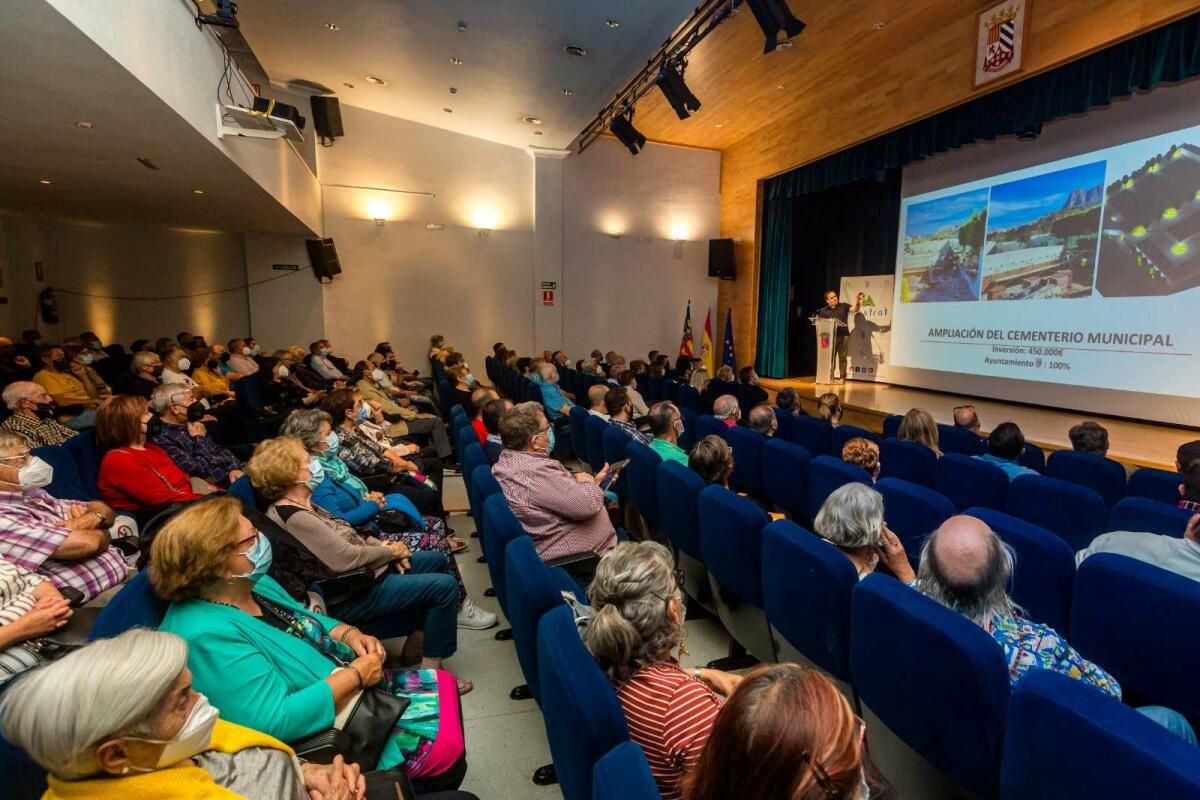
<point>596,405</point>
<point>762,420</point>
<point>965,417</point>
<point>726,409</point>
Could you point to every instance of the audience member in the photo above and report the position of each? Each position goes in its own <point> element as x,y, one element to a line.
<point>30,608</point>
<point>144,368</point>
<point>555,404</point>
<point>595,395</point>
<point>1187,454</point>
<point>137,729</point>
<point>239,358</point>
<point>262,658</point>
<point>862,452</point>
<point>183,436</point>
<point>1005,445</point>
<point>1180,555</point>
<point>751,391</point>
<point>666,423</point>
<point>401,418</point>
<point>965,417</point>
<point>175,368</point>
<point>93,344</point>
<point>629,384</point>
<point>788,399</point>
<point>829,408</point>
<point>851,519</point>
<point>79,364</point>
<point>491,415</point>
<point>66,541</point>
<point>638,625</point>
<point>712,459</point>
<point>1189,490</point>
<point>14,366</point>
<point>918,426</point>
<point>33,414</point>
<point>134,473</point>
<point>726,409</point>
<point>72,402</point>
<point>699,379</point>
<point>479,398</point>
<point>209,381</point>
<point>966,567</point>
<point>460,388</point>
<point>620,414</point>
<point>762,420</point>
<point>722,384</point>
<point>1089,437</point>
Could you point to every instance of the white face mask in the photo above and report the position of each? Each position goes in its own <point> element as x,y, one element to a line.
<point>34,475</point>
<point>246,351</point>
<point>184,364</point>
<point>283,372</point>
<point>193,738</point>
<point>378,375</point>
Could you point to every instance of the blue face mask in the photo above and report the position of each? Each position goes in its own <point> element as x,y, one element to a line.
<point>316,473</point>
<point>470,378</point>
<point>362,414</point>
<point>550,440</point>
<point>333,442</point>
<point>259,555</point>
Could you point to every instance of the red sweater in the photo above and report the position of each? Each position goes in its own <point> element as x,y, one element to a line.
<point>480,431</point>
<point>131,479</point>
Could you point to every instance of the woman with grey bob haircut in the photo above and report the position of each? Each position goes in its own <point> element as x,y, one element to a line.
<point>113,718</point>
<point>305,425</point>
<point>851,519</point>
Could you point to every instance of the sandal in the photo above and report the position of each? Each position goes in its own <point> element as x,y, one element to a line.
<point>457,545</point>
<point>464,686</point>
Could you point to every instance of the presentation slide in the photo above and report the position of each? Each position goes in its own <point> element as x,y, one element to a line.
<point>1082,271</point>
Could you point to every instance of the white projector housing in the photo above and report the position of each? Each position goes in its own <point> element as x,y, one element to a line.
<point>239,121</point>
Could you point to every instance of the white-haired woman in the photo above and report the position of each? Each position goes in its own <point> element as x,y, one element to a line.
<point>119,720</point>
<point>638,625</point>
<point>851,519</point>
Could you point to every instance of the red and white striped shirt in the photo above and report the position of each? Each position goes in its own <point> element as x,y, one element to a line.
<point>670,714</point>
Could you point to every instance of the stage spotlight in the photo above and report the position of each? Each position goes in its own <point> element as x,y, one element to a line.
<point>622,127</point>
<point>670,80</point>
<point>774,16</point>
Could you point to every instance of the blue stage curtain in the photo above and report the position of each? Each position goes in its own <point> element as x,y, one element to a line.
<point>774,278</point>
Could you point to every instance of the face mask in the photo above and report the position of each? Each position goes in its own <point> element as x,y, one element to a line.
<point>470,378</point>
<point>184,364</point>
<point>255,350</point>
<point>85,359</point>
<point>362,414</point>
<point>550,440</point>
<point>259,555</point>
<point>283,372</point>
<point>246,351</point>
<point>35,474</point>
<point>378,375</point>
<point>44,410</point>
<point>326,351</point>
<point>316,473</point>
<point>153,427</point>
<point>195,412</point>
<point>59,364</point>
<point>333,442</point>
<point>193,738</point>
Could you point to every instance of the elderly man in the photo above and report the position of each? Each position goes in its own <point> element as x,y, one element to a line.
<point>33,414</point>
<point>186,440</point>
<point>145,369</point>
<point>64,540</point>
<point>966,567</point>
<point>564,514</point>
<point>666,423</point>
<point>480,398</point>
<point>965,417</point>
<point>726,409</point>
<point>1172,553</point>
<point>762,420</point>
<point>176,363</point>
<point>556,404</point>
<point>320,351</point>
<point>71,398</point>
<point>240,360</point>
<point>596,407</point>
<point>620,414</point>
<point>493,411</point>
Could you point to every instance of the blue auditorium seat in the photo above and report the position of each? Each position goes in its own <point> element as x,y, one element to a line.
<point>708,425</point>
<point>533,393</point>
<point>912,512</point>
<point>813,435</point>
<point>584,720</point>
<point>1142,624</point>
<point>83,450</point>
<point>908,461</point>
<point>594,428</point>
<point>933,688</point>
<point>473,457</point>
<point>960,440</point>
<point>458,410</point>
<point>687,439</point>
<point>243,490</point>
<point>614,441</point>
<point>135,605</point>
<point>786,420</point>
<point>844,433</point>
<point>731,544</point>
<point>1149,516</point>
<point>806,586</point>
<point>678,490</point>
<point>248,397</point>
<point>826,473</point>
<point>67,485</point>
<point>1044,573</point>
<point>1103,475</point>
<point>670,390</point>
<point>1155,484</point>
<point>578,423</point>
<point>641,481</point>
<point>1065,739</point>
<point>1074,512</point>
<point>1033,457</point>
<point>785,476</point>
<point>624,774</point>
<point>968,481</point>
<point>747,446</point>
<point>891,425</point>
<point>500,527</point>
<point>689,397</point>
<point>466,435</point>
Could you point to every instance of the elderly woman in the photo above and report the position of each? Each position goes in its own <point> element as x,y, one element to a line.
<point>862,452</point>
<point>271,664</point>
<point>135,474</point>
<point>712,459</point>
<point>30,608</point>
<point>851,519</point>
<point>918,426</point>
<point>347,498</point>
<point>119,720</point>
<point>412,586</point>
<point>638,625</point>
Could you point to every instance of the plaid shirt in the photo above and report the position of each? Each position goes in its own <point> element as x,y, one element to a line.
<point>38,431</point>
<point>199,456</point>
<point>638,436</point>
<point>31,531</point>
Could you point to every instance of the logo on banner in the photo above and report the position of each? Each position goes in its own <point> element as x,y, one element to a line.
<point>824,341</point>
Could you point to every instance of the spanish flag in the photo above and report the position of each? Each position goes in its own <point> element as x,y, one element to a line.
<point>706,351</point>
<point>686,347</point>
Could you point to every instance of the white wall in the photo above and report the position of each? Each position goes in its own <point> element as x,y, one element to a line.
<point>126,262</point>
<point>286,308</point>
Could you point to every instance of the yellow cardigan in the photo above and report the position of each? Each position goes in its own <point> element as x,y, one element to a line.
<point>173,783</point>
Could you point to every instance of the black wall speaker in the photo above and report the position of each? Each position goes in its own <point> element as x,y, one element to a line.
<point>720,259</point>
<point>327,117</point>
<point>323,256</point>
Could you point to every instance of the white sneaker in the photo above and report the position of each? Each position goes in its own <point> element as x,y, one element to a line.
<point>475,618</point>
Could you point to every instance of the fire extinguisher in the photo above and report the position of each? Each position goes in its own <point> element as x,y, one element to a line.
<point>48,305</point>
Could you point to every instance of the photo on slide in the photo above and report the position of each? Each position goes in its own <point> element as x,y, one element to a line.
<point>1043,235</point>
<point>1151,243</point>
<point>942,242</point>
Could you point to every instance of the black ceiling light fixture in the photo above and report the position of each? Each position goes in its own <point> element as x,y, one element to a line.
<point>622,127</point>
<point>774,16</point>
<point>670,81</point>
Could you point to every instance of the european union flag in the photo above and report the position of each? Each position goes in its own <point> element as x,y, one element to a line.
<point>727,355</point>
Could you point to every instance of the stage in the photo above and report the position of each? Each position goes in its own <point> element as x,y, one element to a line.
<point>1135,444</point>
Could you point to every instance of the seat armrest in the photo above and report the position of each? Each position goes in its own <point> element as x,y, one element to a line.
<point>587,560</point>
<point>342,587</point>
<point>323,747</point>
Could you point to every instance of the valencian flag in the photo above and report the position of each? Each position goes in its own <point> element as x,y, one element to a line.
<point>727,357</point>
<point>685,344</point>
<point>706,344</point>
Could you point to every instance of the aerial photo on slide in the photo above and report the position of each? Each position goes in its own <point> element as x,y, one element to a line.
<point>942,242</point>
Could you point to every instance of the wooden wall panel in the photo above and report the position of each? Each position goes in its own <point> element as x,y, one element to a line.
<point>845,82</point>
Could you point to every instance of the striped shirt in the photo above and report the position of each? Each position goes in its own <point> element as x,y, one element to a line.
<point>670,714</point>
<point>16,600</point>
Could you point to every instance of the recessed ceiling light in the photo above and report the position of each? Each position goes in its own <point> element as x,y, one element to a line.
<point>197,191</point>
<point>785,44</point>
<point>575,51</point>
<point>448,110</point>
<point>567,92</point>
<point>878,26</point>
<point>532,120</point>
<point>348,85</point>
<point>453,90</point>
<point>375,79</point>
<point>612,23</point>
<point>781,87</point>
<point>332,26</point>
<point>82,124</point>
<point>537,133</point>
<point>719,125</point>
<point>456,61</point>
<point>44,182</point>
<point>462,26</point>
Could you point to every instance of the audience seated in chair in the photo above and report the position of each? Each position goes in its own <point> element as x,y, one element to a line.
<point>726,409</point>
<point>79,364</point>
<point>626,381</point>
<point>851,519</point>
<point>554,401</point>
<point>138,693</point>
<point>282,391</point>
<point>145,368</point>
<point>918,426</point>
<point>210,383</point>
<point>14,366</point>
<point>240,359</point>
<point>712,459</point>
<point>176,365</point>
<point>479,398</point>
<point>30,608</point>
<point>722,384</point>
<point>135,473</point>
<point>966,567</point>
<point>75,407</point>
<point>33,414</point>
<point>595,396</point>
<point>788,399</point>
<point>619,406</point>
<point>829,408</point>
<point>666,423</point>
<point>319,361</point>
<point>66,541</point>
<point>1172,553</point>
<point>763,420</point>
<point>398,414</point>
<point>491,416</point>
<point>184,437</point>
<point>637,628</point>
<point>863,453</point>
<point>754,393</point>
<point>1005,445</point>
<point>1089,437</point>
<point>966,418</point>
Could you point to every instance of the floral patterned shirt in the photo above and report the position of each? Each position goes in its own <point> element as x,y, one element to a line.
<point>1028,646</point>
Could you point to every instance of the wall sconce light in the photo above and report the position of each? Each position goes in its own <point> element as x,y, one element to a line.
<point>483,233</point>
<point>434,226</point>
<point>679,232</point>
<point>485,220</point>
<point>379,221</point>
<point>615,235</point>
<point>379,211</point>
